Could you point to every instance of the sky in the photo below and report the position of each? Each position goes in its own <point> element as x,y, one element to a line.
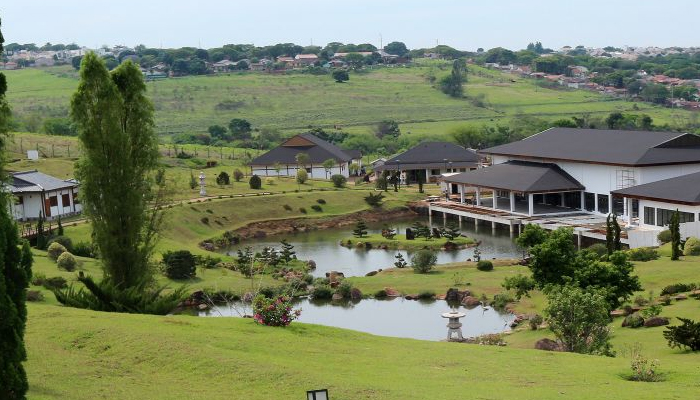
<point>463,24</point>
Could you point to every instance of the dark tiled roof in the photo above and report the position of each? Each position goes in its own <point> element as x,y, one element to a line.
<point>35,181</point>
<point>684,189</point>
<point>519,176</point>
<point>319,152</point>
<point>434,153</point>
<point>602,146</point>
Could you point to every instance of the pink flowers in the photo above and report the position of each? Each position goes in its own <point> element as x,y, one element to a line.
<point>274,312</point>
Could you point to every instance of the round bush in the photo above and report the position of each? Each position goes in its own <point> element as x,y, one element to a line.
<point>599,248</point>
<point>339,180</point>
<point>692,247</point>
<point>65,241</point>
<point>55,250</point>
<point>423,261</point>
<point>643,254</point>
<point>179,264</point>
<point>484,265</point>
<point>255,182</point>
<point>664,236</point>
<point>322,292</point>
<point>66,261</point>
<point>302,176</point>
<point>633,321</point>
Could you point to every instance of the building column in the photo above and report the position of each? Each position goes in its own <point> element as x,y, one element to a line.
<point>595,198</point>
<point>626,211</point>
<point>495,200</point>
<point>562,199</point>
<point>461,194</point>
<point>530,204</point>
<point>512,205</point>
<point>583,201</point>
<point>478,196</point>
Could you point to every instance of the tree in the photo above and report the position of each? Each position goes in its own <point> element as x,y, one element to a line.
<point>223,179</point>
<point>423,261</point>
<point>613,280</point>
<point>287,253</point>
<point>75,62</point>
<point>374,200</point>
<point>255,182</point>
<point>302,176</point>
<point>609,235</point>
<point>554,258</point>
<point>193,181</point>
<point>617,234</point>
<point>355,60</point>
<point>685,335</point>
<point>340,75</point>
<point>452,84</point>
<point>387,127</point>
<point>467,137</point>
<point>338,180</point>
<point>451,231</point>
<point>239,128</point>
<point>579,319</point>
<point>179,264</point>
<point>237,175</point>
<point>396,48</point>
<point>531,236</point>
<point>302,159</point>
<point>116,171</point>
<point>400,261</point>
<point>674,227</point>
<point>328,166</point>
<point>360,229</point>
<point>218,132</point>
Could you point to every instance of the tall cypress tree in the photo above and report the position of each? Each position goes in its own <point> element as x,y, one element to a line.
<point>675,228</point>
<point>116,172</point>
<point>617,234</point>
<point>13,283</point>
<point>609,235</point>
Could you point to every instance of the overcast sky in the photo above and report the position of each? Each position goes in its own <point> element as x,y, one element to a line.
<point>464,24</point>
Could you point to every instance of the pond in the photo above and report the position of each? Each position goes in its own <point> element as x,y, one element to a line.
<point>397,317</point>
<point>323,247</point>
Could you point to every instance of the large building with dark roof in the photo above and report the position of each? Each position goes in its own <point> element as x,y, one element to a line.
<point>282,160</point>
<point>563,170</point>
<point>431,160</point>
<point>37,194</point>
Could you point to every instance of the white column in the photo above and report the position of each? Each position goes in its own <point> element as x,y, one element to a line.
<point>583,201</point>
<point>595,198</point>
<point>478,196</point>
<point>512,205</point>
<point>626,210</point>
<point>495,200</point>
<point>530,204</point>
<point>461,194</point>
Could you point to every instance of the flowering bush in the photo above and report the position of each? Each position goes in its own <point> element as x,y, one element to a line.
<point>275,311</point>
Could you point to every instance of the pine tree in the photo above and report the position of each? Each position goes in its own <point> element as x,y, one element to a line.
<point>193,181</point>
<point>400,261</point>
<point>40,237</point>
<point>674,227</point>
<point>451,231</point>
<point>13,283</point>
<point>287,253</point>
<point>360,229</point>
<point>617,234</point>
<point>609,235</point>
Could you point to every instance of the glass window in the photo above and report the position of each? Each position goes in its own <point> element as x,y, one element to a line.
<point>663,216</point>
<point>649,214</point>
<point>434,172</point>
<point>590,201</point>
<point>603,206</point>
<point>618,205</point>
<point>53,201</point>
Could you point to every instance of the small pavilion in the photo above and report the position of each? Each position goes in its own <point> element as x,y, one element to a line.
<point>521,187</point>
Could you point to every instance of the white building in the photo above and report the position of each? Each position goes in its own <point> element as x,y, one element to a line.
<point>567,170</point>
<point>282,160</point>
<point>35,193</point>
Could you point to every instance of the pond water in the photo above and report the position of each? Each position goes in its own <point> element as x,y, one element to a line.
<point>396,317</point>
<point>323,247</point>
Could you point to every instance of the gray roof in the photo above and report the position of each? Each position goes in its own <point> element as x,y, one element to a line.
<point>603,146</point>
<point>519,176</point>
<point>35,181</point>
<point>433,154</point>
<point>319,151</point>
<point>684,189</point>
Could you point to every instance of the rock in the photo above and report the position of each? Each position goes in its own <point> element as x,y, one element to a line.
<point>449,246</point>
<point>440,297</point>
<point>656,321</point>
<point>681,297</point>
<point>355,294</point>
<point>208,246</point>
<point>470,301</point>
<point>371,273</point>
<point>391,292</point>
<point>455,296</point>
<point>617,313</point>
<point>337,297</point>
<point>379,270</point>
<point>548,345</point>
<point>311,265</point>
<point>695,293</point>
<point>334,276</point>
<point>411,297</point>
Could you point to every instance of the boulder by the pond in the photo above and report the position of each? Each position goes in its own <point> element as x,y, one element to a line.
<point>470,301</point>
<point>334,276</point>
<point>391,292</point>
<point>656,321</point>
<point>548,345</point>
<point>355,294</point>
<point>337,297</point>
<point>371,273</point>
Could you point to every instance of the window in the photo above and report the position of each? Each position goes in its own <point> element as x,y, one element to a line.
<point>53,201</point>
<point>590,201</point>
<point>649,213</point>
<point>603,206</point>
<point>618,205</point>
<point>19,200</point>
<point>308,170</point>
<point>663,216</point>
<point>65,200</point>
<point>434,172</point>
<point>635,208</point>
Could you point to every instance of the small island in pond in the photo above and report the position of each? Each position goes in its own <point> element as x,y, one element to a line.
<point>416,238</point>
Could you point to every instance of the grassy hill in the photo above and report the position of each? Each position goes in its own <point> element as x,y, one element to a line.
<point>294,101</point>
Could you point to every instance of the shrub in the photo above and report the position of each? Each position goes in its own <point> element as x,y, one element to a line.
<point>339,180</point>
<point>344,289</point>
<point>380,294</point>
<point>501,300</point>
<point>223,179</point>
<point>321,292</point>
<point>237,175</point>
<point>84,249</point>
<point>316,207</point>
<point>255,182</point>
<point>426,295</point>
<point>179,264</point>
<point>692,247</point>
<point>287,207</point>
<point>321,201</point>
<point>640,301</point>
<point>374,200</point>
<point>652,311</point>
<point>664,236</point>
<point>302,176</point>
<point>599,248</point>
<point>63,240</point>
<point>644,370</point>
<point>642,254</point>
<point>633,321</point>
<point>275,311</point>
<point>66,261</point>
<point>520,283</point>
<point>484,265</point>
<point>34,295</point>
<point>302,210</point>
<point>204,220</point>
<point>423,261</point>
<point>535,321</point>
<point>685,335</point>
<point>678,288</point>
<point>55,250</point>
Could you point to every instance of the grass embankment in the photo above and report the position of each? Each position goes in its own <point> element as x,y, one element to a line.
<point>81,354</point>
<point>399,242</point>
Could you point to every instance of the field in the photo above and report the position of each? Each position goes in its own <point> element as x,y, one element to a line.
<point>292,102</point>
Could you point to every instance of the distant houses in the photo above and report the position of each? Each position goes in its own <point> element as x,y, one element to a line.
<point>283,160</point>
<point>37,194</point>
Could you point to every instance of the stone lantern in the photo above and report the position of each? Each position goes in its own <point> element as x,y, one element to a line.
<point>202,191</point>
<point>453,325</point>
